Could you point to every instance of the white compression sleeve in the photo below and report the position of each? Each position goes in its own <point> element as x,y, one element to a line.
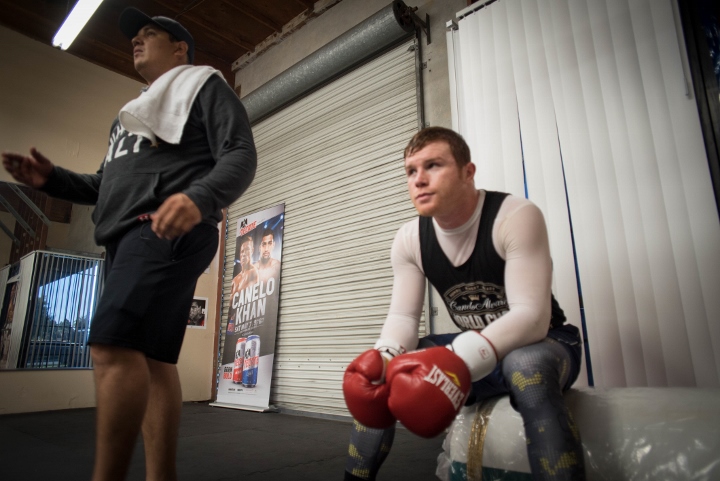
<point>477,352</point>
<point>408,291</point>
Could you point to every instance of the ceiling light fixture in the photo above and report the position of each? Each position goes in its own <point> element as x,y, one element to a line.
<point>81,13</point>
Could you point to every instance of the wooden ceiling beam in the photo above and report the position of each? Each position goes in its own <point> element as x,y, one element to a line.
<point>238,43</point>
<point>306,3</point>
<point>189,17</point>
<point>276,27</point>
<point>32,22</point>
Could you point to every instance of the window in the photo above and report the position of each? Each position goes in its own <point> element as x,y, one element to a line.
<point>62,297</point>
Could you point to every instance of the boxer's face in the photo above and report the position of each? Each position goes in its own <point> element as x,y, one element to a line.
<point>435,182</point>
<point>246,251</point>
<point>266,247</point>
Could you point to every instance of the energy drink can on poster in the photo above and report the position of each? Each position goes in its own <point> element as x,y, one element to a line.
<point>252,358</point>
<point>237,376</point>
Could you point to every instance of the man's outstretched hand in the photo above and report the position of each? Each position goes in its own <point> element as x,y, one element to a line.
<point>32,170</point>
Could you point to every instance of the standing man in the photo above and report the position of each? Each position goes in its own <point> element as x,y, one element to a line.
<point>267,266</point>
<point>158,196</point>
<point>487,254</point>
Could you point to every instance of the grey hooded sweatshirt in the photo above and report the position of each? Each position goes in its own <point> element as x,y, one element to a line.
<point>213,165</point>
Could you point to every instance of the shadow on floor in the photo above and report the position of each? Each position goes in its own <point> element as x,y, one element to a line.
<point>216,444</point>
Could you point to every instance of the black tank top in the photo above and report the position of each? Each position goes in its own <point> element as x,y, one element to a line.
<point>473,292</point>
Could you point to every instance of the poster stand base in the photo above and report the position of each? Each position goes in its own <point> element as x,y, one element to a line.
<point>257,409</point>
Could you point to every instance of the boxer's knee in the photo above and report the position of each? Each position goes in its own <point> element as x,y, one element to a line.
<point>534,372</point>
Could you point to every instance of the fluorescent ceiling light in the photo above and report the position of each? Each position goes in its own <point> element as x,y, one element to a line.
<point>75,22</point>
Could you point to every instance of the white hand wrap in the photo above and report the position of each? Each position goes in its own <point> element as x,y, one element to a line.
<point>389,348</point>
<point>477,352</point>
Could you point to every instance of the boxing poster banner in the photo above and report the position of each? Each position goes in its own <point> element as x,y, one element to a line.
<point>249,348</point>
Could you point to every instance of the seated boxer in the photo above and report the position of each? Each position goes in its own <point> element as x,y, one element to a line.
<point>487,254</point>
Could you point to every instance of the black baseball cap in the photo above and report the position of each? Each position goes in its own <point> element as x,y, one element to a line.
<point>132,20</point>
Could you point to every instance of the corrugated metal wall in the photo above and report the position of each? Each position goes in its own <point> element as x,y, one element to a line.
<point>335,160</point>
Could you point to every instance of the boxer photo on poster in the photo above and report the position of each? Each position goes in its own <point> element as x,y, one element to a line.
<point>196,317</point>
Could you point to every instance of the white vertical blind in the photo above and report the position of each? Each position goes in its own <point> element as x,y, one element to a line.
<point>607,119</point>
<point>499,150</point>
<point>334,158</point>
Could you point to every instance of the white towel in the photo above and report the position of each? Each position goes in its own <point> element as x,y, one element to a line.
<point>163,109</point>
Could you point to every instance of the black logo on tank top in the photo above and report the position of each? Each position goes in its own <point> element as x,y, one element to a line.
<point>475,305</point>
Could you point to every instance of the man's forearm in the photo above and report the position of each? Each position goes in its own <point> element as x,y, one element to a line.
<point>78,188</point>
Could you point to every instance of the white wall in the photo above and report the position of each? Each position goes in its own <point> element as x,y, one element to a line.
<point>56,102</point>
<point>64,106</point>
<point>77,235</point>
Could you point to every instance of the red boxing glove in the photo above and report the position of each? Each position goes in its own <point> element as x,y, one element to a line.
<point>365,390</point>
<point>427,389</point>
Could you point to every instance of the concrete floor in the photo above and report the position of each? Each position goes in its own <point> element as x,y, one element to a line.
<point>216,444</point>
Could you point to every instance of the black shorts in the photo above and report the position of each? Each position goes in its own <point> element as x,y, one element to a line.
<point>149,286</point>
